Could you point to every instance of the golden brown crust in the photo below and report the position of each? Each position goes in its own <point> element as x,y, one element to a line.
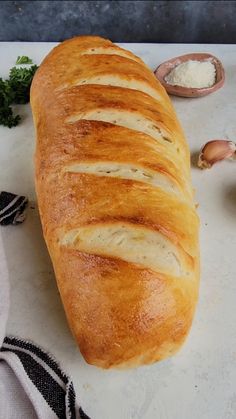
<point>93,140</point>
<point>156,208</point>
<point>81,100</point>
<point>124,313</point>
<point>68,63</point>
<point>121,313</point>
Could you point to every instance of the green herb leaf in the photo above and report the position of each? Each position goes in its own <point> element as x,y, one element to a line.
<point>15,90</point>
<point>7,118</point>
<point>20,81</point>
<point>6,114</point>
<point>23,60</point>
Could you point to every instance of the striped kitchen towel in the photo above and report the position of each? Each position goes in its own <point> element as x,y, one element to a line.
<point>12,208</point>
<point>32,384</point>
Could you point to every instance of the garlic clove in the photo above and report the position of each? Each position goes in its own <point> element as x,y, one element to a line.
<point>214,151</point>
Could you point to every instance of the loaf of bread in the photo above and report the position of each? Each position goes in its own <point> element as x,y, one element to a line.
<point>116,202</point>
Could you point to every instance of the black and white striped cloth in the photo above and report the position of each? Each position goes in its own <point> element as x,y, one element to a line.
<point>12,208</point>
<point>33,378</point>
<point>32,383</point>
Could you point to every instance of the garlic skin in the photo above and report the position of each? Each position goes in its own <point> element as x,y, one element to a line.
<point>214,151</point>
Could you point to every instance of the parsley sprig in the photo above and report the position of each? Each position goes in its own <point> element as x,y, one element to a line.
<point>23,59</point>
<point>19,82</point>
<point>15,90</point>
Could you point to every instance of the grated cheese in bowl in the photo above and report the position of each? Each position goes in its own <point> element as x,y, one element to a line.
<point>193,74</point>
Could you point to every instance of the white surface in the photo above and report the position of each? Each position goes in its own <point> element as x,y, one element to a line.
<point>198,383</point>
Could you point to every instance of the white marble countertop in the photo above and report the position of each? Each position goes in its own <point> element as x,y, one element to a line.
<point>199,382</point>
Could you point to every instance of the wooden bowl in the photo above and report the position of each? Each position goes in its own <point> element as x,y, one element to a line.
<point>164,69</point>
